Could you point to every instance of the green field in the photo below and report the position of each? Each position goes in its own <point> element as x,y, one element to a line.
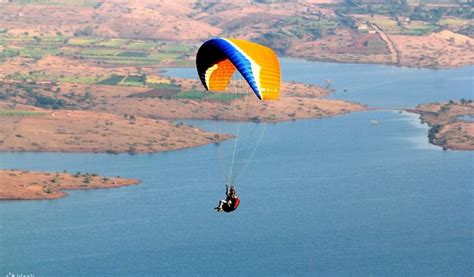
<point>132,54</point>
<point>165,56</point>
<point>419,30</point>
<point>109,51</point>
<point>184,63</point>
<point>19,113</point>
<point>454,22</point>
<point>24,41</point>
<point>99,52</point>
<point>113,43</point>
<point>135,81</point>
<point>33,76</point>
<point>388,25</point>
<point>83,41</point>
<point>112,80</point>
<point>165,86</point>
<point>204,95</point>
<point>31,47</point>
<point>112,56</point>
<point>140,44</point>
<point>176,48</point>
<point>115,60</point>
<point>38,53</point>
<point>79,79</point>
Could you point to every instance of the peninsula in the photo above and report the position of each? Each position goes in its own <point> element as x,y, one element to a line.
<point>29,185</point>
<point>34,129</point>
<point>452,124</point>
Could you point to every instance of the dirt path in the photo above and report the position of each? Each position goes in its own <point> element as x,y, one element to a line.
<point>394,54</point>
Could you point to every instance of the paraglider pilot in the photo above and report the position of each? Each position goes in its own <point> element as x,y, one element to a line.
<point>230,203</point>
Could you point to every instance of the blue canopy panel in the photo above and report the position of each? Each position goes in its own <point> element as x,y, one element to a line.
<point>217,50</point>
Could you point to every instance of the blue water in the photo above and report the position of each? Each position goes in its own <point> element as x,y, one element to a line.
<point>337,196</point>
<point>320,197</point>
<point>378,86</point>
<point>469,118</point>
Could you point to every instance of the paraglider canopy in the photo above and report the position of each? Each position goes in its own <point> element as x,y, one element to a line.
<point>218,58</point>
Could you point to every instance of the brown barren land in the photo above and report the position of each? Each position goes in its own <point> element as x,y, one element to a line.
<point>26,185</point>
<point>304,29</point>
<point>85,131</point>
<point>447,128</point>
<point>297,101</point>
<point>438,50</point>
<point>246,109</point>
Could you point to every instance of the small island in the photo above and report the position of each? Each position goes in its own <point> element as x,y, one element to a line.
<point>30,185</point>
<point>448,128</point>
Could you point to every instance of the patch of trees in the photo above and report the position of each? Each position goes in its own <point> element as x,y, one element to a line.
<point>461,12</point>
<point>9,53</point>
<point>48,102</point>
<point>84,32</point>
<point>431,15</point>
<point>313,32</point>
<point>432,132</point>
<point>467,30</point>
<point>205,5</point>
<point>278,41</point>
<point>345,19</point>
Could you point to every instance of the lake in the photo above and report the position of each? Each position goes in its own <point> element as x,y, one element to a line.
<point>378,86</point>
<point>337,196</point>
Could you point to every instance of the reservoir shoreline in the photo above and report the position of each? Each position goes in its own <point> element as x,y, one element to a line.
<point>35,185</point>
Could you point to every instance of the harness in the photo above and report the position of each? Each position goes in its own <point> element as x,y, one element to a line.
<point>234,204</point>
